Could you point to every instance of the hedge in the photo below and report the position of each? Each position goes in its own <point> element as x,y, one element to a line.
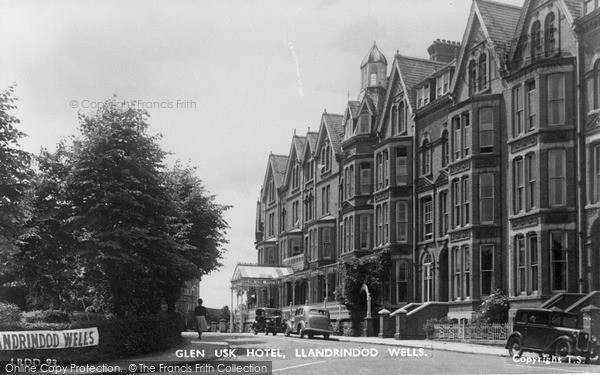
<point>118,338</point>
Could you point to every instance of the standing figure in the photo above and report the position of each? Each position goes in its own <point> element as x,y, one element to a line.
<point>200,315</point>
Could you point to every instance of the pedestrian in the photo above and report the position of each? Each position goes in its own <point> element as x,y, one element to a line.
<point>200,315</point>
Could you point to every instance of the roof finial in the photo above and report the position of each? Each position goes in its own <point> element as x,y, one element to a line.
<point>294,132</point>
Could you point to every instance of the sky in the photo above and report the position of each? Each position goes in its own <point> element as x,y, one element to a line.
<point>225,82</point>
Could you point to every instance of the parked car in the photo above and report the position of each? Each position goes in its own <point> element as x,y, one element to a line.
<point>549,332</point>
<point>310,321</point>
<point>267,320</point>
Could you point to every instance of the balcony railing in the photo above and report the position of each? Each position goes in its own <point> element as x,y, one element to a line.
<point>296,262</point>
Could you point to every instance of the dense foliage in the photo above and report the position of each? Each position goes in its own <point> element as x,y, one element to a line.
<point>111,229</point>
<point>369,270</point>
<point>120,337</point>
<point>15,179</point>
<point>494,309</point>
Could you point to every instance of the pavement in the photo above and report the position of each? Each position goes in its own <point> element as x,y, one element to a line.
<point>216,341</point>
<point>192,351</point>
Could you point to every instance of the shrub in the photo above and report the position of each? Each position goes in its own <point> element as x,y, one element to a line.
<point>46,316</point>
<point>428,326</point>
<point>493,309</point>
<point>118,337</point>
<point>9,312</point>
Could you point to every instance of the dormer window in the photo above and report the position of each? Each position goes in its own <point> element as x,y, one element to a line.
<point>271,191</point>
<point>364,125</point>
<point>326,157</point>
<point>550,33</point>
<point>589,6</point>
<point>472,76</point>
<point>423,96</point>
<point>536,40</point>
<point>401,118</point>
<point>483,68</point>
<point>394,119</point>
<point>295,176</point>
<point>478,73</point>
<point>442,84</point>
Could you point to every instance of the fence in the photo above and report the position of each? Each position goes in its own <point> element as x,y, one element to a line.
<point>472,332</point>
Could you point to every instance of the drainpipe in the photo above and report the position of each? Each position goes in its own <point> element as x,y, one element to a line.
<point>580,162</point>
<point>415,230</point>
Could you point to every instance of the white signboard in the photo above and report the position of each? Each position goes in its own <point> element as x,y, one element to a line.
<point>72,338</point>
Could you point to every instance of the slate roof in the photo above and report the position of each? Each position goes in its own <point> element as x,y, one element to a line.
<point>499,19</point>
<point>354,105</point>
<point>413,70</point>
<point>574,7</point>
<point>311,137</point>
<point>299,143</point>
<point>333,124</point>
<point>279,164</point>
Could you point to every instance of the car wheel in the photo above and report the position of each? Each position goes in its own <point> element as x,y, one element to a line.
<point>326,336</point>
<point>515,349</point>
<point>562,348</point>
<point>300,332</point>
<point>274,333</point>
<point>310,336</point>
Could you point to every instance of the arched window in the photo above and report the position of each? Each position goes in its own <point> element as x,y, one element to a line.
<point>426,165</point>
<point>536,40</point>
<point>373,75</point>
<point>550,34</point>
<point>394,119</point>
<point>363,124</point>
<point>483,76</point>
<point>427,277</point>
<point>445,148</point>
<point>472,76</point>
<point>401,118</point>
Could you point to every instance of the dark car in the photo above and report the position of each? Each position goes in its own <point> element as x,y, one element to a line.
<point>549,332</point>
<point>309,320</point>
<point>267,320</point>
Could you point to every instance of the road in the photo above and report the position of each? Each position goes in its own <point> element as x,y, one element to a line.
<point>293,355</point>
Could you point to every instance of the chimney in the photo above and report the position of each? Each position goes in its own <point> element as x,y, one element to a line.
<point>443,50</point>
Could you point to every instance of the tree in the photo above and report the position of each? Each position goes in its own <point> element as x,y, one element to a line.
<point>225,313</point>
<point>47,262</point>
<point>15,171</point>
<point>494,309</point>
<point>128,232</point>
<point>15,176</point>
<point>369,270</point>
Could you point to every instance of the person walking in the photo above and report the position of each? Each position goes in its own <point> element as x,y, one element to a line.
<point>200,315</point>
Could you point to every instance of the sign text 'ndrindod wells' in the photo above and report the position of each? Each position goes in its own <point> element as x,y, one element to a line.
<point>72,338</point>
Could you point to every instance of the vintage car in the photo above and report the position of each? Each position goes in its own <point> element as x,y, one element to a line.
<point>267,320</point>
<point>310,321</point>
<point>549,332</point>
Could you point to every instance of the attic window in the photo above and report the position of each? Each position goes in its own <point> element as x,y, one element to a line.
<point>536,42</point>
<point>442,84</point>
<point>363,124</point>
<point>550,34</point>
<point>423,96</point>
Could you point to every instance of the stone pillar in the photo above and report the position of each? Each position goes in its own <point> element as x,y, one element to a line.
<point>384,324</point>
<point>400,316</point>
<point>294,292</point>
